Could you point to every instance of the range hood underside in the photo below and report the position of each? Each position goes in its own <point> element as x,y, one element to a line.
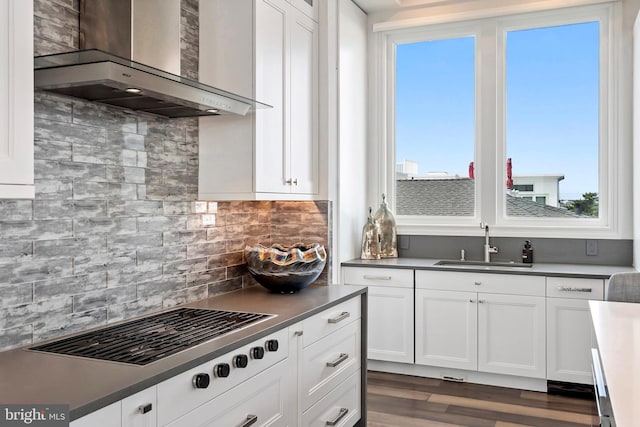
<point>106,82</point>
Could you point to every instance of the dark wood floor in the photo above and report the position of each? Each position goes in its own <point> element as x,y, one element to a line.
<point>406,401</point>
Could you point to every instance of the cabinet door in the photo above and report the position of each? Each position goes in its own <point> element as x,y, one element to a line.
<point>271,76</point>
<point>16,99</point>
<point>264,398</point>
<point>340,407</point>
<point>569,334</point>
<point>390,335</point>
<point>446,333</point>
<point>140,409</point>
<point>109,416</point>
<point>304,96</point>
<point>308,7</point>
<point>511,335</point>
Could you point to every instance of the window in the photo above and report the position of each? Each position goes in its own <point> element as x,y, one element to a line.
<point>507,121</point>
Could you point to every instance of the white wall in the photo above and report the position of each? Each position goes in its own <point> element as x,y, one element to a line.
<point>351,206</point>
<point>631,10</point>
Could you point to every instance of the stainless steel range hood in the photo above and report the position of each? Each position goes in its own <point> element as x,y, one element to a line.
<point>109,79</point>
<point>148,32</point>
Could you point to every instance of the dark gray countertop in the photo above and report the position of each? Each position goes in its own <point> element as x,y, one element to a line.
<point>87,385</point>
<point>537,269</point>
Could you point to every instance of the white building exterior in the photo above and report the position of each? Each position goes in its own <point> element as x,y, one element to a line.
<point>541,188</point>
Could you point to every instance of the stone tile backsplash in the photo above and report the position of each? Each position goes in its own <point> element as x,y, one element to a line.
<point>113,231</point>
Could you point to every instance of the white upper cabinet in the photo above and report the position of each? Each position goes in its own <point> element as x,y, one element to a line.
<point>308,7</point>
<point>16,99</point>
<point>266,50</point>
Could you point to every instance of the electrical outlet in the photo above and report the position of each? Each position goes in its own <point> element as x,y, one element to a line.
<point>208,220</point>
<point>592,247</point>
<point>201,207</point>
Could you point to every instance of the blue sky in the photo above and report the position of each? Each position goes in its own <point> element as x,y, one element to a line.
<point>552,104</point>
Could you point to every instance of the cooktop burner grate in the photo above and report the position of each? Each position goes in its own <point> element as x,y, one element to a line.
<point>152,338</point>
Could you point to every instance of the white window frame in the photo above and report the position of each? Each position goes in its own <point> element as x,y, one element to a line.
<point>615,219</point>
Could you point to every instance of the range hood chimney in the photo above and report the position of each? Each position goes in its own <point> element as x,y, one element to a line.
<point>130,58</point>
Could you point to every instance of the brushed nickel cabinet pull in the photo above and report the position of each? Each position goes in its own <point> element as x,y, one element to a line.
<point>251,420</point>
<point>295,181</point>
<point>289,181</point>
<point>369,277</point>
<point>341,317</point>
<point>570,289</point>
<point>341,414</point>
<point>339,360</point>
<point>477,283</point>
<point>298,333</point>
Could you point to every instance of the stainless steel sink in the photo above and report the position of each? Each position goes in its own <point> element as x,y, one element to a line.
<point>482,264</point>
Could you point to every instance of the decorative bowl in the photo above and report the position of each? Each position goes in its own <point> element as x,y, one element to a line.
<point>285,269</point>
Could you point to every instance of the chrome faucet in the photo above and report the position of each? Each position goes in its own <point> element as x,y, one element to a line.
<point>488,249</point>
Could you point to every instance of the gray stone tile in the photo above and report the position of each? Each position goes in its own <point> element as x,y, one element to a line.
<point>49,229</point>
<point>225,260</point>
<point>70,247</point>
<point>53,189</point>
<point>103,298</point>
<point>206,249</point>
<point>184,237</point>
<point>237,271</point>
<point>17,293</point>
<point>16,337</point>
<point>166,161</point>
<point>46,47</point>
<point>185,266</point>
<point>257,230</point>
<point>27,313</point>
<point>132,275</point>
<point>46,289</point>
<point>112,260</point>
<point>181,148</point>
<point>179,178</point>
<point>52,150</point>
<point>134,241</point>
<point>63,34</point>
<point>141,191</point>
<point>206,277</point>
<point>161,255</point>
<point>135,208</point>
<point>179,208</point>
<point>105,155</point>
<point>50,170</point>
<point>141,159</point>
<point>68,132</point>
<point>126,174</point>
<point>16,248</point>
<point>104,190</point>
<point>183,296</point>
<point>16,210</point>
<point>225,286</point>
<point>159,287</point>
<point>165,223</point>
<point>113,226</point>
<point>135,308</point>
<point>51,107</point>
<point>56,13</point>
<point>237,245</point>
<point>102,116</point>
<point>64,324</point>
<point>216,233</point>
<point>126,140</point>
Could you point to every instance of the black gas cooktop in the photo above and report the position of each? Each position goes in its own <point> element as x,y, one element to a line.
<point>152,338</point>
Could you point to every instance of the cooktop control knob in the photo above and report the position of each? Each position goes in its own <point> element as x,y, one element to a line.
<point>222,370</point>
<point>257,352</point>
<point>201,380</point>
<point>240,361</point>
<point>272,345</point>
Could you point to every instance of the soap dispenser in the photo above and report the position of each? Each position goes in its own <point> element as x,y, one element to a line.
<point>527,252</point>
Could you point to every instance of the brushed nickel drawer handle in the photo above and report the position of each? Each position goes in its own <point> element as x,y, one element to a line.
<point>569,289</point>
<point>340,318</point>
<point>343,412</point>
<point>369,277</point>
<point>339,360</point>
<point>251,420</point>
<point>477,283</point>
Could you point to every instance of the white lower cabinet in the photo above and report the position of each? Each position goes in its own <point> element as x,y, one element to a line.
<point>446,329</point>
<point>569,328</point>
<point>141,409</point>
<point>109,416</point>
<point>490,323</point>
<point>390,311</point>
<point>260,401</point>
<point>339,408</point>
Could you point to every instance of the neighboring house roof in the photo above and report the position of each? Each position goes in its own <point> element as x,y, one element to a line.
<point>456,197</point>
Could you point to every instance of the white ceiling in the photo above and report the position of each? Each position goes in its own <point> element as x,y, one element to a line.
<point>390,5</point>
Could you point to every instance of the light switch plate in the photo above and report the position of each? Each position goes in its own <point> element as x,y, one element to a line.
<point>208,220</point>
<point>200,207</point>
<point>592,247</point>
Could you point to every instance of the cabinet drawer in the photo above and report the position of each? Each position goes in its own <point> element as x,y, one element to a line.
<point>342,405</point>
<point>327,362</point>
<point>378,277</point>
<point>106,417</point>
<point>177,395</point>
<point>569,287</point>
<point>141,409</point>
<point>332,319</point>
<point>263,398</point>
<point>514,284</point>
